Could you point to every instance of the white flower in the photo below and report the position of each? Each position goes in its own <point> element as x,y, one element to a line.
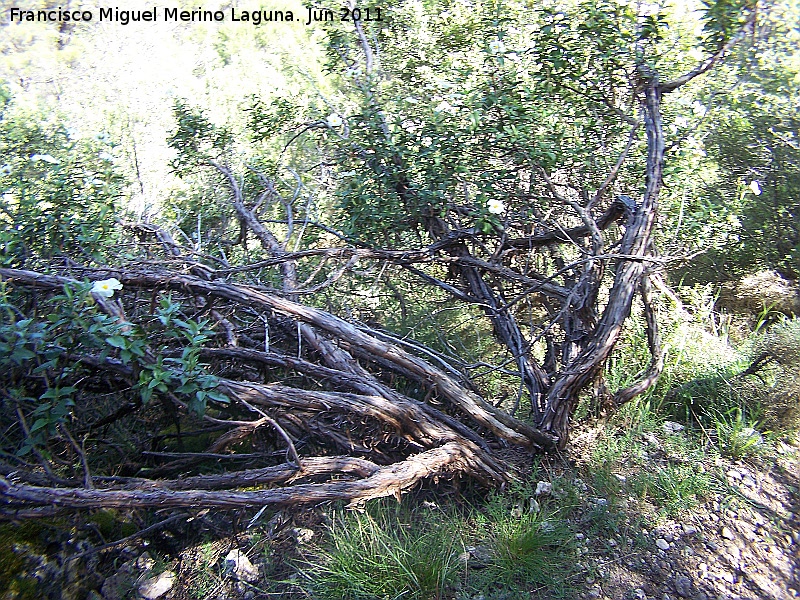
<point>102,137</point>
<point>5,170</point>
<point>334,120</point>
<point>682,122</point>
<point>445,106</point>
<point>697,54</point>
<point>496,207</point>
<point>497,47</point>
<point>106,156</point>
<point>755,188</point>
<point>699,109</point>
<point>106,287</point>
<point>44,158</point>
<point>426,141</point>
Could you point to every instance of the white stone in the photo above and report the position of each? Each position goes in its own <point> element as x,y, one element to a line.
<point>237,563</point>
<point>672,427</point>
<point>155,587</point>
<point>303,535</point>
<point>544,488</point>
<point>662,544</point>
<point>727,533</point>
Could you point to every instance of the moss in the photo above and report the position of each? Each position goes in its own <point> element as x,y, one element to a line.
<point>112,524</point>
<point>19,542</point>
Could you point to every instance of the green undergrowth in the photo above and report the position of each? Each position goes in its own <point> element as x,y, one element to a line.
<point>503,548</point>
<point>641,469</point>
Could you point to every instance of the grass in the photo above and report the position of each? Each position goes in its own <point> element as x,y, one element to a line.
<point>738,437</point>
<point>388,553</point>
<point>675,489</point>
<point>528,547</point>
<point>391,552</point>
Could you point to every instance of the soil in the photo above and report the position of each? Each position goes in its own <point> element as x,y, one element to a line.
<point>740,546</point>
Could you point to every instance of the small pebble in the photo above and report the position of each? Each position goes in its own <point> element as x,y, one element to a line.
<point>662,544</point>
<point>689,529</point>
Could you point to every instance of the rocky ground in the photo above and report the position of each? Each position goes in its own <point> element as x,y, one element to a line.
<point>743,546</point>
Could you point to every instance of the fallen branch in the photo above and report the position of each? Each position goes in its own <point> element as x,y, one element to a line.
<point>387,481</point>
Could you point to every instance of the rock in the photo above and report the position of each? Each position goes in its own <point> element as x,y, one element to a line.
<point>534,506</point>
<point>728,576</point>
<point>689,529</point>
<point>683,585</point>
<point>727,533</point>
<point>752,293</point>
<point>751,436</point>
<point>240,566</point>
<point>662,544</point>
<point>672,427</point>
<point>544,488</point>
<point>303,535</point>
<point>478,557</point>
<point>119,585</point>
<point>155,587</point>
<point>652,440</point>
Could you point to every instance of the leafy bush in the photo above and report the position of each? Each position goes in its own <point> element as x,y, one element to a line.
<point>782,402</point>
<point>57,193</point>
<point>38,358</point>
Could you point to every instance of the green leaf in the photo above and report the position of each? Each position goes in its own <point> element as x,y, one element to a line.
<point>40,424</point>
<point>117,341</point>
<point>218,396</point>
